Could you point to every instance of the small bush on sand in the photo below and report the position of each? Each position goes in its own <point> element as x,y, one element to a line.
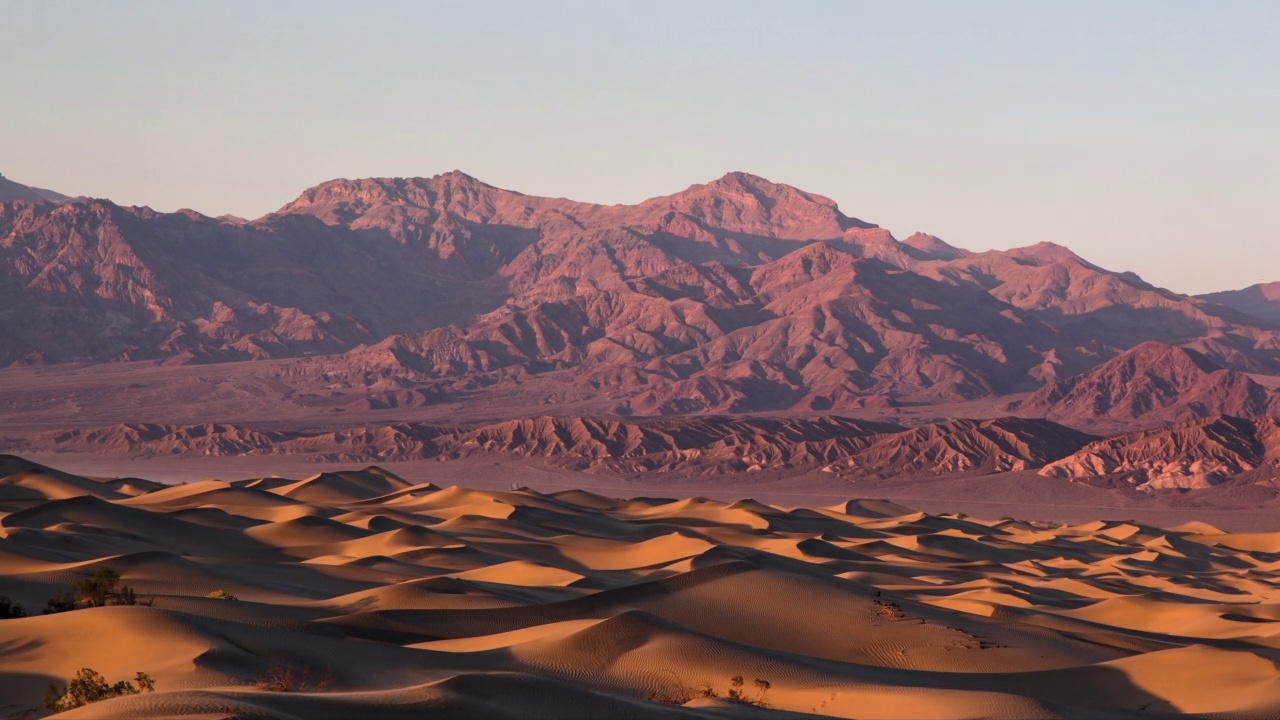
<point>677,693</point>
<point>96,589</point>
<point>89,687</point>
<point>62,602</point>
<point>222,595</point>
<point>10,609</point>
<point>890,610</point>
<point>100,589</point>
<point>283,677</point>
<point>738,691</point>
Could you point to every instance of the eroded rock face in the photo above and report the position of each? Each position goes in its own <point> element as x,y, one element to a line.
<point>738,295</point>
<point>1189,455</point>
<point>1153,382</point>
<point>689,446</point>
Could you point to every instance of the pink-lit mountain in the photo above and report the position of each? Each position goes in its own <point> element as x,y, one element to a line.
<point>736,296</point>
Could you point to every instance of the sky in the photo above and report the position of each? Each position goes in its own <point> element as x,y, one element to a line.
<point>1141,134</point>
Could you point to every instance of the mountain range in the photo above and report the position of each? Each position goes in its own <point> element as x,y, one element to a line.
<point>1195,454</point>
<point>10,190</point>
<point>735,296</point>
<point>738,326</point>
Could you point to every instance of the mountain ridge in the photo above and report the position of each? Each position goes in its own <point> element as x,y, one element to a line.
<point>1261,301</point>
<point>1191,455</point>
<point>11,191</point>
<point>706,446</point>
<point>739,295</point>
<point>1153,383</point>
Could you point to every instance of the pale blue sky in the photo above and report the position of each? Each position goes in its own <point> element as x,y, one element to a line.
<point>1142,134</point>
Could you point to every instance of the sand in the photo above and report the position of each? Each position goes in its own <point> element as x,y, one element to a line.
<point>398,599</point>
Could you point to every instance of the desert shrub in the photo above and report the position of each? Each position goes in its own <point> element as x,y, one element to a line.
<point>126,596</point>
<point>62,602</point>
<point>890,610</point>
<point>738,691</point>
<point>222,595</point>
<point>671,695</point>
<point>88,687</point>
<point>283,677</point>
<point>100,589</point>
<point>10,609</point>
<point>96,589</point>
<point>677,693</point>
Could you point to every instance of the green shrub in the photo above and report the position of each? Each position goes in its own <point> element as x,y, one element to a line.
<point>96,589</point>
<point>99,589</point>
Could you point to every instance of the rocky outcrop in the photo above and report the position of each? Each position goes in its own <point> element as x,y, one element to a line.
<point>1152,383</point>
<point>1189,455</point>
<point>693,446</point>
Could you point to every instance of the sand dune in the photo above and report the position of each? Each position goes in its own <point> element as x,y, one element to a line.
<point>397,601</point>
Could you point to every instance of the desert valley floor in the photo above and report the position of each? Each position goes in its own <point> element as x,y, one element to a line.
<point>367,595</point>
